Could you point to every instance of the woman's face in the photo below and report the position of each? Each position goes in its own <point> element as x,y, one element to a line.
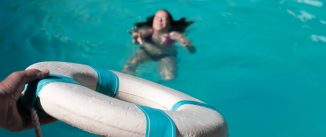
<point>161,21</point>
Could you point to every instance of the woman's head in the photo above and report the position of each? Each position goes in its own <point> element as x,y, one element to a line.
<point>161,20</point>
<point>164,20</point>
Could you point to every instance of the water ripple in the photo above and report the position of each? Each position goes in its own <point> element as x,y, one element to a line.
<point>318,38</point>
<point>315,3</point>
<point>323,22</point>
<point>303,15</point>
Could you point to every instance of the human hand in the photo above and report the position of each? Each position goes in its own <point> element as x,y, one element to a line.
<point>14,84</point>
<point>10,90</point>
<point>137,38</point>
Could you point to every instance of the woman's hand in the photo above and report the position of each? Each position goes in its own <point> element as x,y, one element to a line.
<point>140,34</point>
<point>137,38</point>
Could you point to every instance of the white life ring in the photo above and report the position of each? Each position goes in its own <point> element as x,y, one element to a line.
<point>137,107</point>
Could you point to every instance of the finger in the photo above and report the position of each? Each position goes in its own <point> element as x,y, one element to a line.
<point>15,82</point>
<point>135,34</point>
<point>140,40</point>
<point>33,74</point>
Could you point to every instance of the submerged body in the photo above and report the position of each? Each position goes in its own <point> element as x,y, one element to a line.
<point>157,43</point>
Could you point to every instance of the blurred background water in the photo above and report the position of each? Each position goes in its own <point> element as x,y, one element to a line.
<point>259,62</point>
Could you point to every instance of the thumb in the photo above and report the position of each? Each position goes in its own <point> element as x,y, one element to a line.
<point>14,83</point>
<point>33,74</point>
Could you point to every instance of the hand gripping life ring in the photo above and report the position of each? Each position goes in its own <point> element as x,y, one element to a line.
<point>110,103</point>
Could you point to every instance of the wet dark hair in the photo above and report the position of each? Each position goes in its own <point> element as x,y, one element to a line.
<point>175,25</point>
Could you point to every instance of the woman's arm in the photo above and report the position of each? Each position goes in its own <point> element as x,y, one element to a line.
<point>183,41</point>
<point>138,35</point>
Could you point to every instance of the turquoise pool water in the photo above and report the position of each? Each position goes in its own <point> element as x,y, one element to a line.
<point>259,62</point>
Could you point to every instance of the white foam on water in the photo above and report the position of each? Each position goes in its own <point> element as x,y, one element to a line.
<point>315,3</point>
<point>318,38</point>
<point>303,16</point>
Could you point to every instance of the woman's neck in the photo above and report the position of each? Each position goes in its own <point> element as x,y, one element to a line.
<point>161,31</point>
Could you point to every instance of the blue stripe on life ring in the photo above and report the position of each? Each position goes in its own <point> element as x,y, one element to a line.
<point>33,88</point>
<point>158,124</point>
<point>107,82</point>
<point>177,105</point>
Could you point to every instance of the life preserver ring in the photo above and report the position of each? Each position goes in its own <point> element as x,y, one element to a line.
<point>124,105</point>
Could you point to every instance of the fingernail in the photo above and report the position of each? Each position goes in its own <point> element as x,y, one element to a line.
<point>47,71</point>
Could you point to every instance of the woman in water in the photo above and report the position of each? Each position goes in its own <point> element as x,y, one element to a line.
<point>156,37</point>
